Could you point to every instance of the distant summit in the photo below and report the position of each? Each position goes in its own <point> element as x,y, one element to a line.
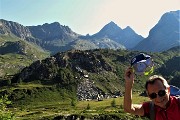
<point>164,35</point>
<point>111,30</point>
<point>126,37</point>
<point>9,27</point>
<point>52,31</point>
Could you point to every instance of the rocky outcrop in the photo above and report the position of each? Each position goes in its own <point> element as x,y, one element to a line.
<point>49,67</point>
<point>86,90</point>
<point>9,27</point>
<point>13,47</point>
<point>66,68</point>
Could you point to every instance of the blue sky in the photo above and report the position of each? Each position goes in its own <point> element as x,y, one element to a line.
<point>88,16</point>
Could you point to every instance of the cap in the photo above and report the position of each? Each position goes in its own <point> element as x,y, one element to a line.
<point>139,58</point>
<point>142,64</point>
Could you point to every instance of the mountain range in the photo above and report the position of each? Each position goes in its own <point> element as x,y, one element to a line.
<point>55,37</point>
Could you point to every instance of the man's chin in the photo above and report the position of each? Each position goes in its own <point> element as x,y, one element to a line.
<point>161,103</point>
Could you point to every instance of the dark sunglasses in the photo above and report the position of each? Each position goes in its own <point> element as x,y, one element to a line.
<point>161,93</point>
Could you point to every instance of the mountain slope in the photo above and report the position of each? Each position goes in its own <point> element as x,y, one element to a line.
<point>16,53</point>
<point>126,37</point>
<point>53,31</point>
<point>9,27</point>
<point>164,35</point>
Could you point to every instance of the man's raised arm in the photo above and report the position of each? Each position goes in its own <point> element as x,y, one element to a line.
<point>128,106</point>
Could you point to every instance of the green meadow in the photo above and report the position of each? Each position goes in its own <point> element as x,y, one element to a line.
<point>89,109</point>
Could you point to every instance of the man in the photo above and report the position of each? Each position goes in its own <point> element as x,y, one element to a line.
<point>166,107</point>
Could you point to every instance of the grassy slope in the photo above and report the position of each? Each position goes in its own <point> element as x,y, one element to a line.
<point>11,63</point>
<point>51,109</point>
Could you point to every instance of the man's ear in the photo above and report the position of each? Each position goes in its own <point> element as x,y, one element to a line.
<point>147,94</point>
<point>168,90</point>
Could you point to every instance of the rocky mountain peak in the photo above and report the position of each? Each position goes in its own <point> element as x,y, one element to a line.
<point>78,61</point>
<point>129,31</point>
<point>9,27</point>
<point>110,28</point>
<point>164,35</point>
<point>170,17</point>
<point>168,23</point>
<point>128,28</point>
<point>52,31</point>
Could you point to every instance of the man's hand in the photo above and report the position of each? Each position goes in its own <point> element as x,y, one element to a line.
<point>129,75</point>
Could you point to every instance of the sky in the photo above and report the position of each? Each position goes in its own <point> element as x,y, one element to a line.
<point>88,16</point>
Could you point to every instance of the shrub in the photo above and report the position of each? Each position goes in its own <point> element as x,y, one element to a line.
<point>4,113</point>
<point>88,107</point>
<point>73,102</point>
<point>113,103</point>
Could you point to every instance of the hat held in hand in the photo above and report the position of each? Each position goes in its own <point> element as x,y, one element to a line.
<point>142,64</point>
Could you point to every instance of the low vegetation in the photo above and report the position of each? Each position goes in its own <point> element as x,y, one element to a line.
<point>87,109</point>
<point>50,91</point>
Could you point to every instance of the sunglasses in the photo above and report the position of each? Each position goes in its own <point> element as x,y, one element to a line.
<point>161,93</point>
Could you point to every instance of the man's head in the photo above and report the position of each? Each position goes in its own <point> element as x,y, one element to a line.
<point>158,90</point>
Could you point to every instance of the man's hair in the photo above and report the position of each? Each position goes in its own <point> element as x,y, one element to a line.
<point>153,78</point>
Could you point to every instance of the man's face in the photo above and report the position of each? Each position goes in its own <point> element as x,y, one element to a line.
<point>156,90</point>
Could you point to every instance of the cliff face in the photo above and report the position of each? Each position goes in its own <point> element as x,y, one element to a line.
<point>164,35</point>
<point>53,31</point>
<point>9,27</point>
